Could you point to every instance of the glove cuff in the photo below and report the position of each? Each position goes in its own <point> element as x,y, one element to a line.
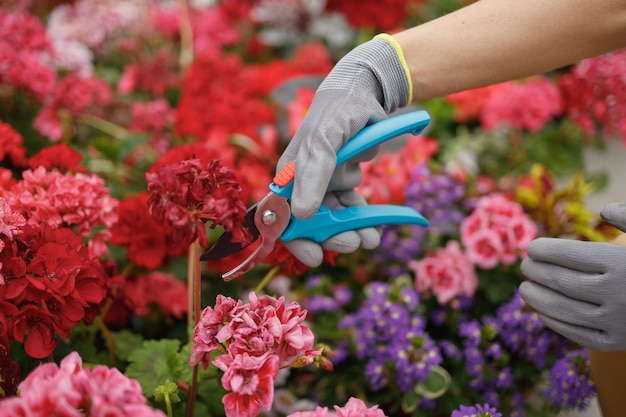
<point>400,55</point>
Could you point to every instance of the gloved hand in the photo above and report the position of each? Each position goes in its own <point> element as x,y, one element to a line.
<point>365,86</point>
<point>579,288</point>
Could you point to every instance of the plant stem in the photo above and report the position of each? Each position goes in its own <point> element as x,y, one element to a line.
<point>194,311</point>
<point>267,278</point>
<point>168,405</point>
<point>186,35</point>
<point>103,125</point>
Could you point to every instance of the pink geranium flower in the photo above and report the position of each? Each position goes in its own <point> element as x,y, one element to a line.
<point>447,272</point>
<point>353,408</point>
<point>497,231</point>
<point>251,380</point>
<point>255,339</point>
<point>71,390</point>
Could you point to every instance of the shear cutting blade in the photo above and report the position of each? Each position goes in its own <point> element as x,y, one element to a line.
<point>224,246</point>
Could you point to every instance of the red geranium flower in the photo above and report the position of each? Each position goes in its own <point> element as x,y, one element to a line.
<point>191,194</point>
<point>60,157</point>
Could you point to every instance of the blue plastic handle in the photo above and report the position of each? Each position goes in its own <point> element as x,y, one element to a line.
<point>370,136</point>
<point>326,223</point>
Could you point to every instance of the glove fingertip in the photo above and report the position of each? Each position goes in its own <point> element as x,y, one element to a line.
<point>615,215</point>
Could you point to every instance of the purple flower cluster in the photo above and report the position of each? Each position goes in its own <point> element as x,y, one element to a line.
<point>570,384</point>
<point>522,332</point>
<point>438,198</point>
<point>389,334</point>
<point>325,295</point>
<point>478,410</point>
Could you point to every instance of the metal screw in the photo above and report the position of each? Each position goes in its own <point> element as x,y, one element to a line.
<point>269,217</point>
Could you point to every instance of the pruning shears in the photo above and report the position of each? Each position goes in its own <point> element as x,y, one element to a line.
<point>270,219</point>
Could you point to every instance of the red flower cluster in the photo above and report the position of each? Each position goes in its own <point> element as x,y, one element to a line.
<point>373,14</point>
<point>190,194</point>
<point>12,145</point>
<point>594,92</point>
<point>51,283</point>
<point>149,243</point>
<point>207,101</point>
<point>58,157</point>
<point>171,298</point>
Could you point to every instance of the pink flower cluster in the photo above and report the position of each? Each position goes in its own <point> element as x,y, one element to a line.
<point>497,231</point>
<point>255,339</point>
<point>69,390</point>
<point>447,273</point>
<point>23,44</point>
<point>353,408</point>
<point>69,200</point>
<point>593,91</point>
<point>526,105</point>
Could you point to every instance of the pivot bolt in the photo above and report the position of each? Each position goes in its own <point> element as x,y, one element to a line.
<point>269,217</point>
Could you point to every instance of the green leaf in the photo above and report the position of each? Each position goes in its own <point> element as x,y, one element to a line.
<point>154,363</point>
<point>130,143</point>
<point>410,402</point>
<point>126,342</point>
<point>436,384</point>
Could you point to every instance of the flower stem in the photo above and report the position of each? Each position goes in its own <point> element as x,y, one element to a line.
<point>168,405</point>
<point>194,311</point>
<point>267,278</point>
<point>103,125</point>
<point>186,35</point>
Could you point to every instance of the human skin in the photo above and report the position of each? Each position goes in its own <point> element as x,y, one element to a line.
<point>492,41</point>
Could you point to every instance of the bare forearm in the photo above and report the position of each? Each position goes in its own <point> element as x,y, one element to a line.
<point>492,41</point>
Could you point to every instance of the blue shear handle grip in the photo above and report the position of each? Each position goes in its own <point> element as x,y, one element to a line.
<point>327,223</point>
<point>370,136</point>
<point>377,133</point>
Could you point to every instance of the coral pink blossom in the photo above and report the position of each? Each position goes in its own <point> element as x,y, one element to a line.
<point>353,408</point>
<point>357,408</point>
<point>254,340</point>
<point>73,391</point>
<point>58,200</point>
<point>251,380</point>
<point>11,221</point>
<point>523,105</point>
<point>447,273</point>
<point>469,104</point>
<point>497,231</point>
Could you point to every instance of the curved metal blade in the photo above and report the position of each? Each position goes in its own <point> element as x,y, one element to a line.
<point>224,246</point>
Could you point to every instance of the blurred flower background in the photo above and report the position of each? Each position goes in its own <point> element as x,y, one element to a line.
<point>134,132</point>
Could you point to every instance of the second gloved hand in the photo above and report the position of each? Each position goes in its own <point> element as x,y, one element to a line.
<point>579,288</point>
<point>365,86</point>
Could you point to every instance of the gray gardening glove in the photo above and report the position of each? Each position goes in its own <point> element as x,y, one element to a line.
<point>579,288</point>
<point>363,88</point>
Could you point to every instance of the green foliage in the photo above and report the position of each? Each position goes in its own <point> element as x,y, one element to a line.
<point>155,363</point>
